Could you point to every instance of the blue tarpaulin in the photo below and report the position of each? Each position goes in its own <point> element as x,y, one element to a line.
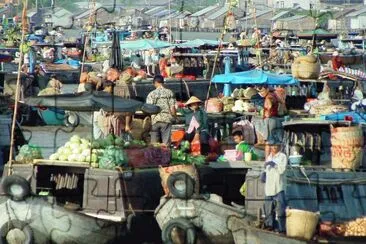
<point>338,196</point>
<point>255,77</point>
<point>144,44</point>
<point>356,117</point>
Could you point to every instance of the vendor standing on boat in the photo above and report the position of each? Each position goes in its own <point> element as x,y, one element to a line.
<point>196,125</point>
<point>161,122</point>
<point>275,203</point>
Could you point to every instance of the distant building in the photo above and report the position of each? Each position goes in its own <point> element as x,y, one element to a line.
<point>356,20</point>
<point>281,4</point>
<point>296,23</point>
<point>260,19</point>
<point>196,20</point>
<point>217,19</point>
<point>339,22</point>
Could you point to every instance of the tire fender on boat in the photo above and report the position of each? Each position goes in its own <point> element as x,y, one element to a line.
<point>11,230</point>
<point>181,191</point>
<point>182,224</point>
<point>16,187</point>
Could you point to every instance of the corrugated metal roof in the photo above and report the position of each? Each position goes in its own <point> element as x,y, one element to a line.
<point>154,10</point>
<point>83,14</point>
<point>183,15</point>
<point>279,15</point>
<point>171,16</point>
<point>342,13</point>
<point>356,13</point>
<point>204,11</point>
<point>163,13</point>
<point>258,14</point>
<point>218,13</point>
<point>295,17</point>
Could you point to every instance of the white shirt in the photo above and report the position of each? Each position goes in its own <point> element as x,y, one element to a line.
<point>275,175</point>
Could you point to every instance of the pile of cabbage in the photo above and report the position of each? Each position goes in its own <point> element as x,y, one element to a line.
<point>77,150</point>
<point>27,153</point>
<point>113,157</point>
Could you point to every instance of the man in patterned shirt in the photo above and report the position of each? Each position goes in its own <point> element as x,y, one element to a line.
<point>161,122</point>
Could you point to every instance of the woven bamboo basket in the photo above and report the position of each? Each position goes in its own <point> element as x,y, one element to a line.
<point>347,143</point>
<point>306,70</point>
<point>301,224</point>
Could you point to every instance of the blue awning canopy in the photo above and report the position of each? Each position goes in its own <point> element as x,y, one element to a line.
<point>255,77</point>
<point>144,44</point>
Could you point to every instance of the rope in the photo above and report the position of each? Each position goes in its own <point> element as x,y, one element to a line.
<point>17,90</point>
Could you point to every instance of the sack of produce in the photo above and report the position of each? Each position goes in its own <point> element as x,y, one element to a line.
<point>27,153</point>
<point>136,158</point>
<point>347,144</point>
<point>356,227</point>
<point>214,105</point>
<point>156,156</point>
<point>113,157</point>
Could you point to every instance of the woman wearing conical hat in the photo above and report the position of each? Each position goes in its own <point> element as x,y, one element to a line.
<point>196,125</point>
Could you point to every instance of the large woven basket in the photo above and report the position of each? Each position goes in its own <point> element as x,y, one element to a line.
<point>301,224</point>
<point>347,143</point>
<point>306,70</point>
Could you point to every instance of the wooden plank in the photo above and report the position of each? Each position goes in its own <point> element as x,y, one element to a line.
<point>235,164</point>
<point>60,163</point>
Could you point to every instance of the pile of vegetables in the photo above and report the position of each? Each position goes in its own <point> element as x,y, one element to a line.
<point>182,156</point>
<point>112,140</point>
<point>27,153</point>
<point>113,157</point>
<point>356,227</point>
<point>77,150</point>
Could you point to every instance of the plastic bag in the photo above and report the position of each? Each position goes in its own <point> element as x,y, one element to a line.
<point>196,145</point>
<point>27,153</point>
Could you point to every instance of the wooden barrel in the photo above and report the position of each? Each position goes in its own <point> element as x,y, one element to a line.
<point>347,144</point>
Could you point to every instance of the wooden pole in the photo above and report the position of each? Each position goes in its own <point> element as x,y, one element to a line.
<point>221,40</point>
<point>17,89</point>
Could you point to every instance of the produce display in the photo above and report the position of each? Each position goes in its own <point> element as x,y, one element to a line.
<point>113,157</point>
<point>27,153</point>
<point>76,150</point>
<point>112,140</point>
<point>181,155</point>
<point>356,227</point>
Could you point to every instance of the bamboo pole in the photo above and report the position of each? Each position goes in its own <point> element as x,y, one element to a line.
<point>17,89</point>
<point>221,40</point>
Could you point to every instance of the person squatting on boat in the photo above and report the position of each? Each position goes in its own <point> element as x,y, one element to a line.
<point>273,176</point>
<point>162,122</point>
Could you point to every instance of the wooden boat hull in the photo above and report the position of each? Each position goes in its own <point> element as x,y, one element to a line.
<point>218,223</point>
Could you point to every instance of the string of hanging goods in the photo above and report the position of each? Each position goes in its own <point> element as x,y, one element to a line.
<point>65,181</point>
